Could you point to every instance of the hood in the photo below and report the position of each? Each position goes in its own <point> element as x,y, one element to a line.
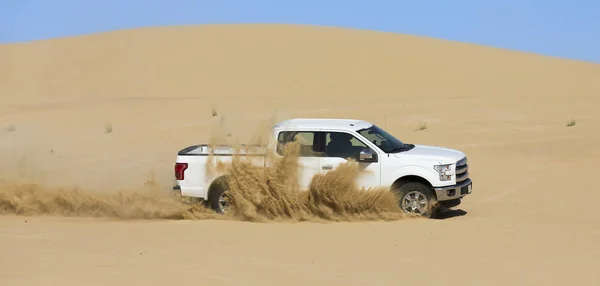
<point>443,155</point>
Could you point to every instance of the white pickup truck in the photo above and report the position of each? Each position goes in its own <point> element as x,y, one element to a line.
<point>420,175</point>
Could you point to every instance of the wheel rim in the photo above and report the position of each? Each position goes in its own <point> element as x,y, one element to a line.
<point>414,202</point>
<point>223,204</point>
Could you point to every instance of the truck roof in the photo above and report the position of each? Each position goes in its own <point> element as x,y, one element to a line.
<point>319,123</point>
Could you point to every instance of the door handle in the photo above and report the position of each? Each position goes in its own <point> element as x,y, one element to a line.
<point>327,167</point>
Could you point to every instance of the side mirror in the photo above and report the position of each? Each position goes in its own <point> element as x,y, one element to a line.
<point>366,155</point>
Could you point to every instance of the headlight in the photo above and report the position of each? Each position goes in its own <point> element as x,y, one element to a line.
<point>444,171</point>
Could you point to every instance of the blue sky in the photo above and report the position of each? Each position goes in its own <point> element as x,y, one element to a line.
<point>568,29</point>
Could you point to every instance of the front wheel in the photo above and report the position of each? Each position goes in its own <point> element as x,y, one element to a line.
<point>416,198</point>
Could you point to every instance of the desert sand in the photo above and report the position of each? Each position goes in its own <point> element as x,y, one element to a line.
<point>532,218</point>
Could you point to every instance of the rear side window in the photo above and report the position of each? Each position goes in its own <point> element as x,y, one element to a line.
<point>308,140</point>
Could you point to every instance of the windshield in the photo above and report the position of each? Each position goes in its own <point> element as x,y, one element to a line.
<point>386,142</point>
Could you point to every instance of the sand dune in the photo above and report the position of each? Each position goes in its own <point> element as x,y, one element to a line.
<point>532,219</point>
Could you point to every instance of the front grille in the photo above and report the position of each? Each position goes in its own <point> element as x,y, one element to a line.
<point>462,170</point>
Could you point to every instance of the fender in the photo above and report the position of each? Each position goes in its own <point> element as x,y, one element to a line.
<point>430,176</point>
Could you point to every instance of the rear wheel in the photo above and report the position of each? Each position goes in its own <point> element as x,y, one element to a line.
<point>416,198</point>
<point>218,199</point>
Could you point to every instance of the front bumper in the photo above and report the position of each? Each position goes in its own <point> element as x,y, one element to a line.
<point>455,191</point>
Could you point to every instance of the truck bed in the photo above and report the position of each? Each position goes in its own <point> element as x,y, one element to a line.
<point>222,150</point>
<point>194,159</point>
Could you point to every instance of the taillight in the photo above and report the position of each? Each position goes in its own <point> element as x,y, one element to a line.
<point>180,170</point>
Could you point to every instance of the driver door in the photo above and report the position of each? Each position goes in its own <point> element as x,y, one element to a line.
<point>370,172</point>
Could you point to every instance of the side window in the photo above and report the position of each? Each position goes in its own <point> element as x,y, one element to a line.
<point>376,138</point>
<point>372,137</point>
<point>344,145</point>
<point>307,140</point>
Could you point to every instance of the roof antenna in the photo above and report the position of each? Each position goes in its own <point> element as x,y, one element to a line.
<point>385,118</point>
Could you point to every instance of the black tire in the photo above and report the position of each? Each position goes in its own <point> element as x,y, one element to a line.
<point>219,187</point>
<point>409,191</point>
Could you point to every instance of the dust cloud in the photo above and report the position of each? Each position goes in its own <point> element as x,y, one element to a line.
<point>148,202</point>
<point>271,193</point>
<point>257,193</point>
